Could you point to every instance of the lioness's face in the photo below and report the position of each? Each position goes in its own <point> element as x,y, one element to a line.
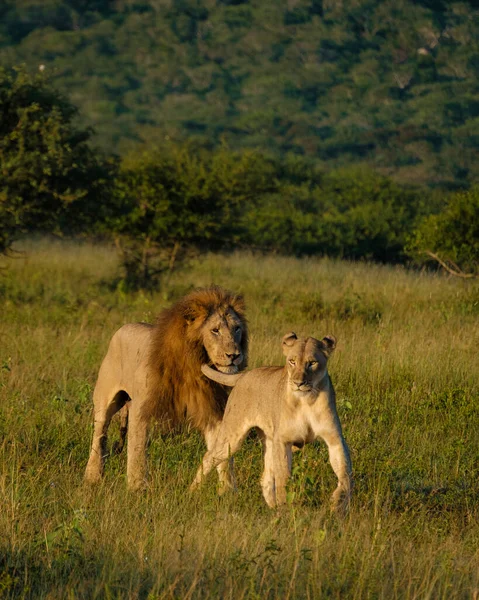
<point>222,335</point>
<point>306,362</point>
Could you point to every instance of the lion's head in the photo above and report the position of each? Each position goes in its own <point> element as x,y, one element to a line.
<point>215,319</point>
<point>206,326</point>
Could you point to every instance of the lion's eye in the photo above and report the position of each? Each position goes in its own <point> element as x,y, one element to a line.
<point>313,363</point>
<point>215,331</point>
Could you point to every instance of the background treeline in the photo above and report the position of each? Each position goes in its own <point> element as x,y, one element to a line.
<point>392,85</point>
<point>162,204</point>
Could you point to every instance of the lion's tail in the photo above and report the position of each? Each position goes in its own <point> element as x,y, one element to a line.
<point>118,445</point>
<point>223,378</point>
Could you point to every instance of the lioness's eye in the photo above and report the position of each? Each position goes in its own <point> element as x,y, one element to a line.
<point>292,362</point>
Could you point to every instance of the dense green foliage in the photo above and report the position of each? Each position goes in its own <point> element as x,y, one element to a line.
<point>391,84</point>
<point>162,204</point>
<point>169,202</point>
<point>451,237</point>
<point>350,213</point>
<point>166,203</point>
<point>49,174</point>
<point>405,373</point>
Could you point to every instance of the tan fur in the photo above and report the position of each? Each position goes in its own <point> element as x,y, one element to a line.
<point>289,406</point>
<point>154,372</point>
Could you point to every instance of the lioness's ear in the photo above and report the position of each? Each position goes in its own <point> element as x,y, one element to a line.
<point>328,344</point>
<point>288,341</point>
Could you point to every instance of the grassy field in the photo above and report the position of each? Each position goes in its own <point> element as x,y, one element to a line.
<point>406,372</point>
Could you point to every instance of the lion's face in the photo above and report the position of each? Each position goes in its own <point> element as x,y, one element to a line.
<point>306,362</point>
<point>222,334</point>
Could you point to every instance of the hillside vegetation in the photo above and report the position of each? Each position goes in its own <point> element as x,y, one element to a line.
<point>392,84</point>
<point>406,376</point>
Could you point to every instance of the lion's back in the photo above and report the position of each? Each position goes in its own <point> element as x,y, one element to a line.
<point>127,353</point>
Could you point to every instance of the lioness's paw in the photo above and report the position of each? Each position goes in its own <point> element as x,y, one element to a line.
<point>340,502</point>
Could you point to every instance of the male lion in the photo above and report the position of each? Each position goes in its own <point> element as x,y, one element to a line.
<point>289,406</point>
<point>154,371</point>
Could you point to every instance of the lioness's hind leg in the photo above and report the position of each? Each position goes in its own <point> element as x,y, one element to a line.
<point>223,448</point>
<point>104,411</point>
<point>224,468</point>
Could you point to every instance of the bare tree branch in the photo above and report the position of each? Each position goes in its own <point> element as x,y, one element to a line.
<point>452,270</point>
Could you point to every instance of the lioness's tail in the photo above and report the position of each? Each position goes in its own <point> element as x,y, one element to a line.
<point>224,378</point>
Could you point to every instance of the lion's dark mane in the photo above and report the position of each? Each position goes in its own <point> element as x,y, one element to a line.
<point>180,393</point>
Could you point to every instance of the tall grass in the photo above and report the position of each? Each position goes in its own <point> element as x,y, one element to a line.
<point>406,372</point>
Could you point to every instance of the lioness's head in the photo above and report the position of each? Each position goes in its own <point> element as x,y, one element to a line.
<point>215,318</point>
<point>306,362</point>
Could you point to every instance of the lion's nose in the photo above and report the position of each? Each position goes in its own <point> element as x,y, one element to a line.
<point>232,356</point>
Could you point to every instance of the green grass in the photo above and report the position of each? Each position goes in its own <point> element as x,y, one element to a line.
<point>406,372</point>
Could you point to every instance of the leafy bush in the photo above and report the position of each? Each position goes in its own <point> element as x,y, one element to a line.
<point>349,213</point>
<point>47,167</point>
<point>169,203</point>
<point>451,237</point>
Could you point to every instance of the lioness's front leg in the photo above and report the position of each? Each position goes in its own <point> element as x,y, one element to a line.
<point>341,464</point>
<point>277,462</point>
<point>282,470</point>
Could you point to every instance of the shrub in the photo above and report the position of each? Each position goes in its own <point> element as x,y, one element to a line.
<point>170,203</point>
<point>49,174</point>
<point>451,237</point>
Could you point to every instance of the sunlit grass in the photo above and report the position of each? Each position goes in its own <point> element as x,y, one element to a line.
<point>407,379</point>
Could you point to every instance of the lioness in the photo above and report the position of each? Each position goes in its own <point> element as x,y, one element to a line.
<point>289,406</point>
<point>153,373</point>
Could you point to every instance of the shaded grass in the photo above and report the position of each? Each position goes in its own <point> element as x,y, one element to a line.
<point>406,374</point>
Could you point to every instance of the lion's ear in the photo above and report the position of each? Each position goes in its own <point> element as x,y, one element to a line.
<point>288,341</point>
<point>328,344</point>
<point>238,305</point>
<point>191,313</point>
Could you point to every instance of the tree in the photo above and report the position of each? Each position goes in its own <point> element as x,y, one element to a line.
<point>451,237</point>
<point>49,174</point>
<point>168,203</point>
